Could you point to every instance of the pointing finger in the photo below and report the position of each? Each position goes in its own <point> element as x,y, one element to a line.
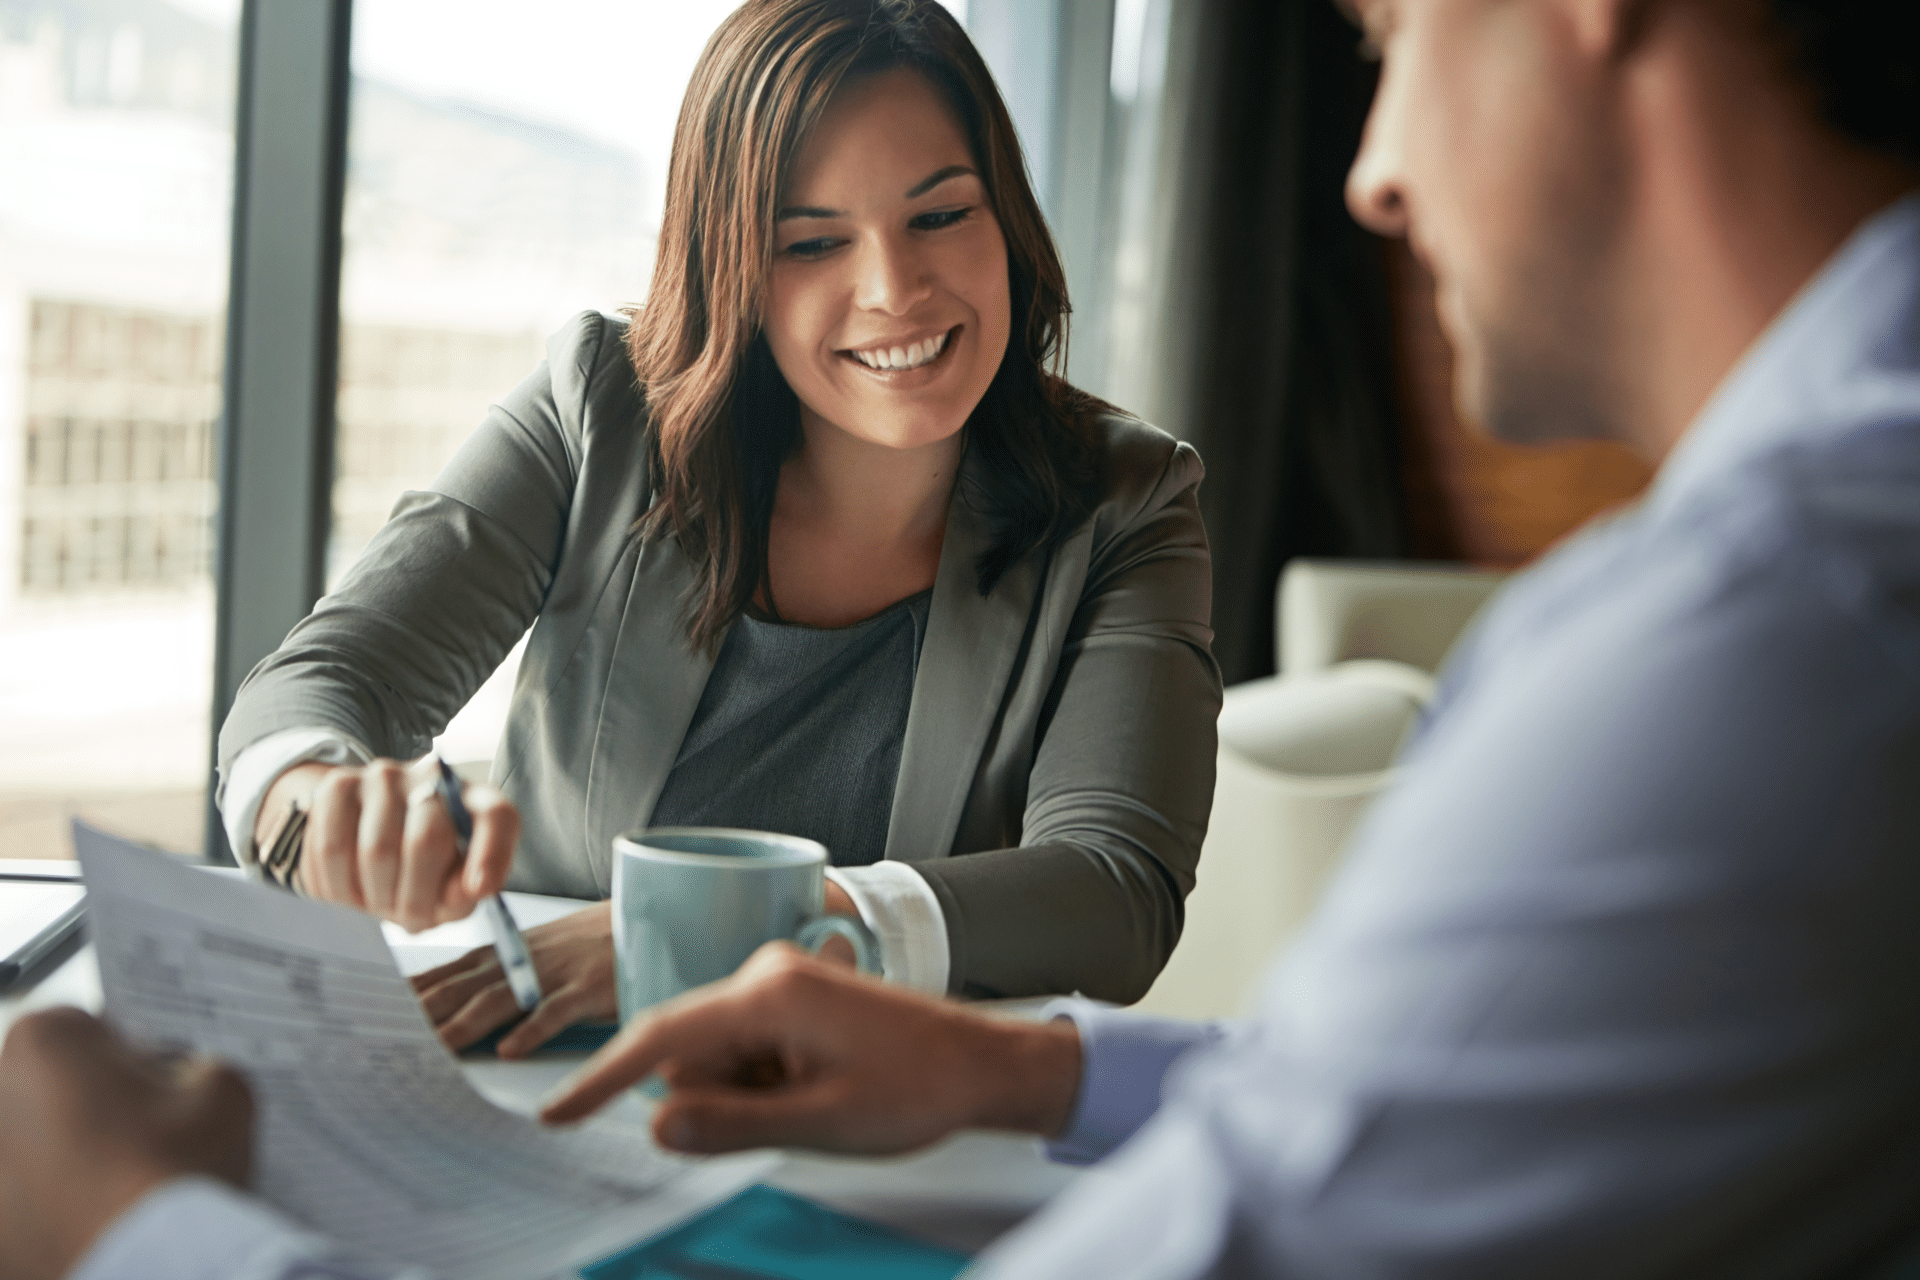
<point>704,1026</point>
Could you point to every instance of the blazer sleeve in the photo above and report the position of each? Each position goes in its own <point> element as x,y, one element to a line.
<point>1122,779</point>
<point>448,585</point>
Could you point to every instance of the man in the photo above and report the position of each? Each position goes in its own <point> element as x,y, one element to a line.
<point>1620,981</point>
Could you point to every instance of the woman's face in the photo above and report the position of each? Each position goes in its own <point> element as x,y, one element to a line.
<point>887,308</point>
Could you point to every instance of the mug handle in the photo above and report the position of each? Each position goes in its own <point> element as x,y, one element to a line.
<point>866,948</point>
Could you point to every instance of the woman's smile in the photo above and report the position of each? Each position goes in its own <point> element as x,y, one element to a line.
<point>891,360</point>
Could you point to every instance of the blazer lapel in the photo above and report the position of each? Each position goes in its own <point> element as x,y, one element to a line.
<point>971,644</point>
<point>654,683</point>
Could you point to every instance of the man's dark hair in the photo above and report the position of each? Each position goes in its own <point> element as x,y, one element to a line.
<point>1863,58</point>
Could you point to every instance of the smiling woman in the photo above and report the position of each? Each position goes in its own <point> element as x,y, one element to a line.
<point>817,542</point>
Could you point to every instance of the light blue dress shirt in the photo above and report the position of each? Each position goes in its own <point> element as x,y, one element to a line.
<point>1624,979</point>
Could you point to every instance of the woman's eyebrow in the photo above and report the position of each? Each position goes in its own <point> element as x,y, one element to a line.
<point>919,188</point>
<point>937,177</point>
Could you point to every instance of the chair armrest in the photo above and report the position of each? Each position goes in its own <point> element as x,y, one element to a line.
<point>1348,719</point>
<point>1329,611</point>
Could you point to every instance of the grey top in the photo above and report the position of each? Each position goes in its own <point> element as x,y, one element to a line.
<point>799,731</point>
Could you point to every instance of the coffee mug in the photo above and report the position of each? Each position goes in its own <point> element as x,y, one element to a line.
<point>690,904</point>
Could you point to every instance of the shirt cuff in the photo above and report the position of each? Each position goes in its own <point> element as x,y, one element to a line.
<point>897,903</point>
<point>189,1229</point>
<point>257,768</point>
<point>1124,1057</point>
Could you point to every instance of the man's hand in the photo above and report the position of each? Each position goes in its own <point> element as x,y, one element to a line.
<point>793,1051</point>
<point>379,839</point>
<point>574,958</point>
<point>88,1127</point>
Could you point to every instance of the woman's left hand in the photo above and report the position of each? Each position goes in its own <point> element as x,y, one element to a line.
<point>574,958</point>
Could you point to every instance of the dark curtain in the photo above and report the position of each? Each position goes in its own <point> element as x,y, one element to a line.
<point>1288,391</point>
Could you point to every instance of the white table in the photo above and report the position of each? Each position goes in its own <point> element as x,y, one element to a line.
<point>961,1193</point>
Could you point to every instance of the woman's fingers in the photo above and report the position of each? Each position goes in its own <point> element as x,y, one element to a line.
<point>487,1009</point>
<point>467,998</point>
<point>380,838</point>
<point>430,854</point>
<point>489,1004</point>
<point>429,979</point>
<point>330,858</point>
<point>383,811</point>
<point>496,831</point>
<point>445,990</point>
<point>555,1014</point>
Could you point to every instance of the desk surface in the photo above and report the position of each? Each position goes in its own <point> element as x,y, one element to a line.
<point>961,1193</point>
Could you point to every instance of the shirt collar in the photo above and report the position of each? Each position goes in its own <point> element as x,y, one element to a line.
<point>1845,353</point>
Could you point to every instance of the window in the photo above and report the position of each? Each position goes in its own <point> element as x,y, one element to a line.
<point>496,185</point>
<point>116,139</point>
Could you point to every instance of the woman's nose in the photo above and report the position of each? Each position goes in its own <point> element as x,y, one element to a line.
<point>892,278</point>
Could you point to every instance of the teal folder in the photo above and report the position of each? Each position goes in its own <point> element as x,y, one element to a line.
<point>765,1234</point>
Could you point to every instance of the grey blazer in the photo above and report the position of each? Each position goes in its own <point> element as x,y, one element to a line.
<point>1058,763</point>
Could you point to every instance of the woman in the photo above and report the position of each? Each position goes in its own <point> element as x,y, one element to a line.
<point>819,543</point>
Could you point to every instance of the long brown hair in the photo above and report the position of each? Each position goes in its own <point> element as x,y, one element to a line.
<point>721,416</point>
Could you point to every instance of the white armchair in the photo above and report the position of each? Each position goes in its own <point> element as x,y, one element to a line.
<point>1301,756</point>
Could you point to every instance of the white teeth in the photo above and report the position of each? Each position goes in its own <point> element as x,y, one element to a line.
<point>910,357</point>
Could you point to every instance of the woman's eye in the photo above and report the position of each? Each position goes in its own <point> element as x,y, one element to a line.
<point>811,248</point>
<point>941,219</point>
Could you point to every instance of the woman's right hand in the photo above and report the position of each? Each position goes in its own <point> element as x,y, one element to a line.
<point>379,839</point>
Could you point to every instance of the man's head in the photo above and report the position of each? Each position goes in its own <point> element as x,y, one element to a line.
<point>1615,196</point>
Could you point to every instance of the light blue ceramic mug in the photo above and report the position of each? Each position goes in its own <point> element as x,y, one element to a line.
<point>690,904</point>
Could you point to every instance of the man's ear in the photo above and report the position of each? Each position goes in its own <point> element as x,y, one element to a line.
<point>1611,29</point>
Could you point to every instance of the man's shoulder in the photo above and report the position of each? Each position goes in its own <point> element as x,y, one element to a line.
<point>1822,535</point>
<point>1853,482</point>
<point>1840,512</point>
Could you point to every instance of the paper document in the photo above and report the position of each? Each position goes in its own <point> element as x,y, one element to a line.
<point>368,1131</point>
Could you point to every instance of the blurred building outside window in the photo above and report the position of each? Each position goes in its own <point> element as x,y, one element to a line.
<point>501,178</point>
<point>116,142</point>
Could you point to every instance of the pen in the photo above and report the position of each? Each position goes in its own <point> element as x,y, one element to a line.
<point>507,942</point>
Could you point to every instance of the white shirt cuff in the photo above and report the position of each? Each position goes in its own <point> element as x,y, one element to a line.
<point>257,768</point>
<point>200,1229</point>
<point>897,903</point>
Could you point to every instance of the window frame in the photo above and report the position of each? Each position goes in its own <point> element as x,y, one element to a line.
<point>276,425</point>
